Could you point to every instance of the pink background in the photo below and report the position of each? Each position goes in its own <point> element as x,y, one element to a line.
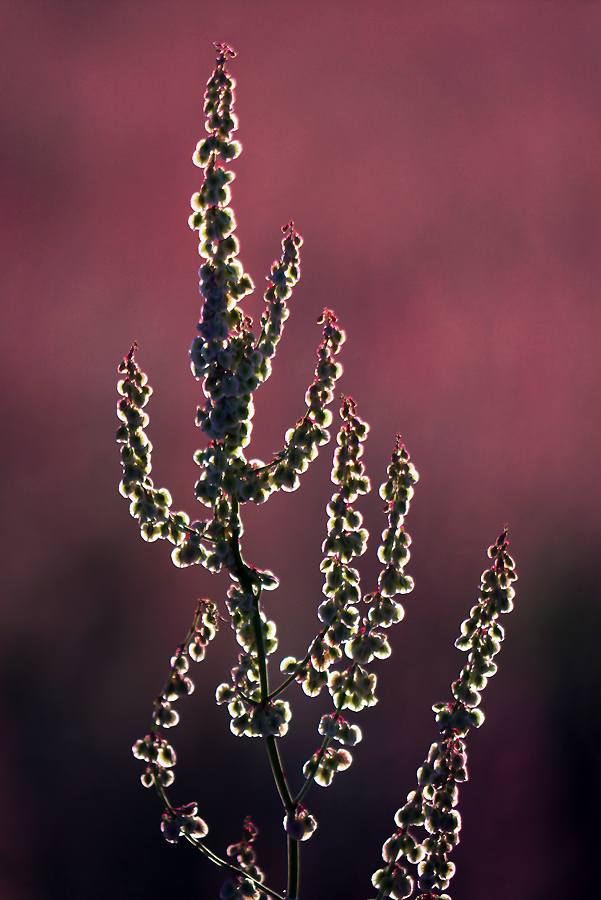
<point>441,160</point>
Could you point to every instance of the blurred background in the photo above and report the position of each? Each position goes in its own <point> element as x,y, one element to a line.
<point>441,160</point>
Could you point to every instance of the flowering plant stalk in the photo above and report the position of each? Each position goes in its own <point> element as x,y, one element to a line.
<point>232,362</point>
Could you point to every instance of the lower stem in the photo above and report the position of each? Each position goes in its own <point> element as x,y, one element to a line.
<point>293,869</point>
<point>243,574</point>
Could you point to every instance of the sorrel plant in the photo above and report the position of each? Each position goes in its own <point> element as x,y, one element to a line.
<point>232,362</point>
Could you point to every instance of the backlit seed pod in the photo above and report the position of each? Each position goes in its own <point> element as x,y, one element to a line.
<point>299,825</point>
<point>166,717</point>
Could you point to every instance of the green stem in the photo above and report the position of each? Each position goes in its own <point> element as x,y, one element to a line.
<point>161,792</point>
<point>324,745</point>
<point>310,778</point>
<point>261,656</point>
<point>250,584</point>
<point>236,869</point>
<point>293,869</point>
<point>213,856</point>
<point>302,663</point>
<point>278,774</point>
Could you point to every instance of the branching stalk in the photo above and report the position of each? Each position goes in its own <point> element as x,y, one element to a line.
<point>231,363</point>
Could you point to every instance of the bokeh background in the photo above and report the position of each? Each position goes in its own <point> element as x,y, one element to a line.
<point>441,160</point>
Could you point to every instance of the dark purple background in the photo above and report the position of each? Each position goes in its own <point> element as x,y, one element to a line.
<point>441,160</point>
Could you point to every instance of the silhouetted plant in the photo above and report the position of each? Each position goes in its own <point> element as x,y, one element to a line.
<point>232,363</point>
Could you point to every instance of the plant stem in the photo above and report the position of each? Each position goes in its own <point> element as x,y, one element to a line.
<point>250,584</point>
<point>310,778</point>
<point>278,773</point>
<point>302,663</point>
<point>293,869</point>
<point>324,745</point>
<point>236,869</point>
